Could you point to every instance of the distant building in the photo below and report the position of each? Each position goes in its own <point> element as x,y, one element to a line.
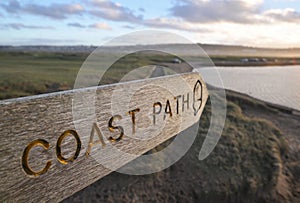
<point>244,60</point>
<point>176,60</point>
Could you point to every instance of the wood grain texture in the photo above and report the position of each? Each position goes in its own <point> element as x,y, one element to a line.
<point>46,117</point>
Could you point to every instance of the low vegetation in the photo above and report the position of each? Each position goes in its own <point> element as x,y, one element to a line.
<point>23,74</point>
<point>30,73</point>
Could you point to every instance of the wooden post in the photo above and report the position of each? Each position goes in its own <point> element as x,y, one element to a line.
<point>47,143</point>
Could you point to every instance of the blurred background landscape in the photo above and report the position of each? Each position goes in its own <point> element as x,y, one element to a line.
<point>28,70</point>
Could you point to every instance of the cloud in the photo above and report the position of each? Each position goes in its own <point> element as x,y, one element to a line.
<point>55,10</point>
<point>19,26</point>
<point>102,26</point>
<point>76,25</point>
<point>116,12</point>
<point>44,41</point>
<point>209,11</point>
<point>113,11</point>
<point>241,11</point>
<point>284,15</point>
<point>12,7</point>
<point>173,23</point>
<point>128,27</point>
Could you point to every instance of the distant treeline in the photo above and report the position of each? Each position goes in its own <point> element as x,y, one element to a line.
<point>210,49</point>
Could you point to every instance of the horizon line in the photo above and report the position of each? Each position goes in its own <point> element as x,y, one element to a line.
<point>94,45</point>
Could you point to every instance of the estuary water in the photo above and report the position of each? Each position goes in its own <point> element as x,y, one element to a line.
<point>275,84</point>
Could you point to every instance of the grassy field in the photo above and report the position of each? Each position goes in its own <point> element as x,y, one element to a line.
<point>24,74</point>
<point>31,73</point>
<point>254,61</point>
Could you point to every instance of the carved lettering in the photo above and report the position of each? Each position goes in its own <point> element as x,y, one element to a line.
<point>182,103</point>
<point>177,103</point>
<point>168,109</point>
<point>156,112</point>
<point>25,165</point>
<point>132,113</point>
<point>59,155</point>
<point>197,97</point>
<point>187,101</point>
<point>91,141</point>
<point>112,128</point>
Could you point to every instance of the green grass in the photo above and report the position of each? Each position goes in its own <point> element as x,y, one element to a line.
<point>24,74</point>
<point>247,160</point>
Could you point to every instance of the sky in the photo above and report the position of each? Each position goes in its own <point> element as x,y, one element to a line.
<point>255,23</point>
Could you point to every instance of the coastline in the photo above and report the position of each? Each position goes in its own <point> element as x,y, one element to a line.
<point>256,64</point>
<point>281,108</point>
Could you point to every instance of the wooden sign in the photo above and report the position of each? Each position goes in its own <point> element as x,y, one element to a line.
<point>54,145</point>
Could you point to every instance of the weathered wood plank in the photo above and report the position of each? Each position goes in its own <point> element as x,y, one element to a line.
<point>47,152</point>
